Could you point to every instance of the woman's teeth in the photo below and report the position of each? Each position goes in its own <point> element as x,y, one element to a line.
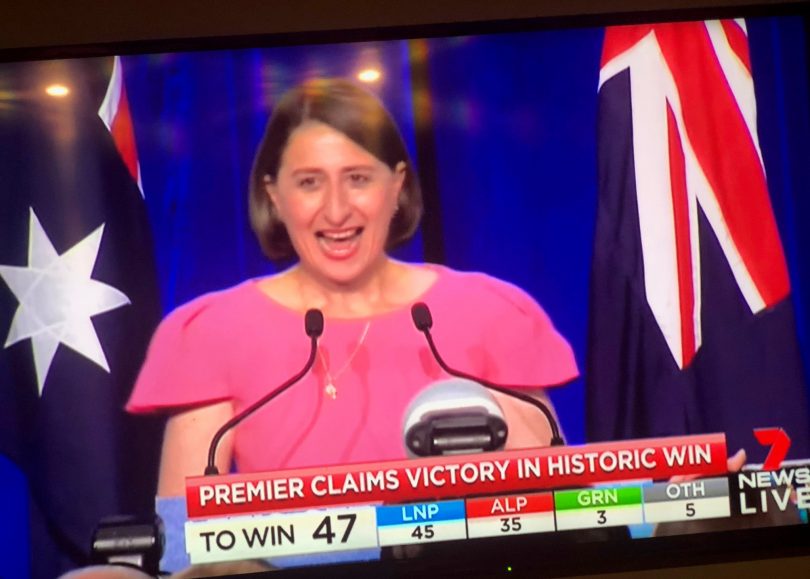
<point>342,236</point>
<point>339,236</point>
<point>339,243</point>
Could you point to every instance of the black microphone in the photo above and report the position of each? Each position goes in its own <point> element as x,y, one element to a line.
<point>313,325</point>
<point>424,322</point>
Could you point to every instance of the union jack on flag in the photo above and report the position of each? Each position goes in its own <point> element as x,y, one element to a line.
<point>691,326</point>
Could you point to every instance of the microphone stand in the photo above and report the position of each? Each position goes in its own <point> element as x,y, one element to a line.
<point>424,321</point>
<point>313,322</point>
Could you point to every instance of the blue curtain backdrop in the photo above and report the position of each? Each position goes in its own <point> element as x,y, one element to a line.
<point>779,58</point>
<point>513,129</point>
<point>515,121</point>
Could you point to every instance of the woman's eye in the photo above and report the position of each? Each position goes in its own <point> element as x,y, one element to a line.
<point>308,183</point>
<point>359,179</point>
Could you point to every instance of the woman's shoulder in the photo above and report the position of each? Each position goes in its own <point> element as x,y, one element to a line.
<point>213,308</point>
<point>479,289</point>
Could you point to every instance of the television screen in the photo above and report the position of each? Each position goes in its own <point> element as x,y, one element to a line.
<point>458,300</point>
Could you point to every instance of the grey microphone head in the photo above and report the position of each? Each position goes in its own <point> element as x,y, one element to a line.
<point>453,416</point>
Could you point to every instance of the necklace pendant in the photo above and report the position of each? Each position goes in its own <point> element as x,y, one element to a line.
<point>330,391</point>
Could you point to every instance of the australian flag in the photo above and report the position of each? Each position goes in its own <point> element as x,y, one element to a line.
<point>78,304</point>
<point>692,328</point>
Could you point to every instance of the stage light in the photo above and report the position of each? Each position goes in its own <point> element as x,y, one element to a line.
<point>57,90</point>
<point>369,75</point>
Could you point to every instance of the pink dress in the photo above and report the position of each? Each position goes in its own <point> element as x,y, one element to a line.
<point>238,344</point>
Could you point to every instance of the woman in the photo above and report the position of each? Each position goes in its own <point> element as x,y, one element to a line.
<point>332,185</point>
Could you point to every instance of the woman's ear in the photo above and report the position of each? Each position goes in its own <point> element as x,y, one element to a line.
<point>400,172</point>
<point>270,188</point>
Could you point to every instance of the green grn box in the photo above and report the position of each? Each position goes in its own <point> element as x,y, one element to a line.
<point>597,498</point>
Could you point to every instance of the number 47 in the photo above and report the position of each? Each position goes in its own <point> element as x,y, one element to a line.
<point>324,530</point>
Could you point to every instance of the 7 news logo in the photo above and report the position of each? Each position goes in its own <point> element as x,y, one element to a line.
<point>777,485</point>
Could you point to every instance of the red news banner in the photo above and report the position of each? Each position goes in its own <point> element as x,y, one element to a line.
<point>456,476</point>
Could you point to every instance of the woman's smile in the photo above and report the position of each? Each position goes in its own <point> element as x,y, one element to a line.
<point>339,243</point>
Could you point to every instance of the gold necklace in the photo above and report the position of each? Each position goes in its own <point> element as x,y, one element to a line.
<point>330,389</point>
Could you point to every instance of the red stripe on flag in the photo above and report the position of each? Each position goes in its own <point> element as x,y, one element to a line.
<point>619,39</point>
<point>738,42</point>
<point>726,153</point>
<point>683,246</point>
<point>123,134</point>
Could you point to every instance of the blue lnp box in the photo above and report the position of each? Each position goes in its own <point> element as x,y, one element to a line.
<point>421,522</point>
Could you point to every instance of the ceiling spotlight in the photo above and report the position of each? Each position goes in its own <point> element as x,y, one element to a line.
<point>369,75</point>
<point>57,90</point>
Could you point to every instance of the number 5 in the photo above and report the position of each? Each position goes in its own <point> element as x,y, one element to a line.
<point>690,509</point>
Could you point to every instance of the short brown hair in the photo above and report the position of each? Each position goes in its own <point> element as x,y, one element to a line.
<point>357,114</point>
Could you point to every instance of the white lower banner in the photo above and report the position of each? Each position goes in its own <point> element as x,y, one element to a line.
<point>281,534</point>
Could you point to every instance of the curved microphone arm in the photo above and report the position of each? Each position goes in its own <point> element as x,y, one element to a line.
<point>423,321</point>
<point>314,329</point>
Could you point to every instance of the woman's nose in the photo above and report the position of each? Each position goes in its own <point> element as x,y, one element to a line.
<point>337,206</point>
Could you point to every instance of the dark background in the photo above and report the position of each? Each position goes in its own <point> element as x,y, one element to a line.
<point>56,24</point>
<point>51,23</point>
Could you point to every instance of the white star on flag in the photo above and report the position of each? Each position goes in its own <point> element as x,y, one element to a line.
<point>58,297</point>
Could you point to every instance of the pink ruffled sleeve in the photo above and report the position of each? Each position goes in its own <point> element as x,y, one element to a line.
<point>183,365</point>
<point>524,346</point>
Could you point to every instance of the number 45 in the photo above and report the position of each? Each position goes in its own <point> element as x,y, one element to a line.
<point>426,534</point>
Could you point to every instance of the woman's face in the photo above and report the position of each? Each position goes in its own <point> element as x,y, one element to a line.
<point>336,200</point>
